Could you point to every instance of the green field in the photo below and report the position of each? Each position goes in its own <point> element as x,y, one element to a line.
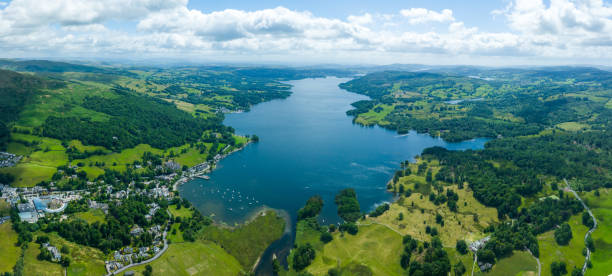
<point>5,208</point>
<point>573,126</point>
<point>609,104</point>
<point>28,175</point>
<point>194,258</point>
<point>520,263</point>
<point>571,254</point>
<point>32,266</point>
<point>183,212</point>
<point>178,237</point>
<point>120,159</point>
<point>372,117</point>
<point>375,246</point>
<point>602,209</point>
<point>85,260</point>
<point>91,216</point>
<point>247,242</point>
<point>9,253</point>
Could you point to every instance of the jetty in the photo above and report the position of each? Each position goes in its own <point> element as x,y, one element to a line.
<point>205,177</point>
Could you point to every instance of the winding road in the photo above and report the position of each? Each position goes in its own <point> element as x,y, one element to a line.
<point>116,272</point>
<point>588,255</point>
<point>161,252</point>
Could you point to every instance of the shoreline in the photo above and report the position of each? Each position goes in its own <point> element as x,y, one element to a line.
<point>209,168</point>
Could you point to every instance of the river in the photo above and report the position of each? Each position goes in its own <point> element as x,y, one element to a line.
<point>308,146</point>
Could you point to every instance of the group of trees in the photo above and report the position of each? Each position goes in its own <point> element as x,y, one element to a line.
<point>311,209</point>
<point>381,209</point>
<point>303,256</point>
<point>131,123</point>
<point>348,206</point>
<point>435,261</point>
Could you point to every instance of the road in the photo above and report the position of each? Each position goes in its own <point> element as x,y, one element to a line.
<point>537,260</point>
<point>116,272</point>
<point>588,255</point>
<point>475,262</point>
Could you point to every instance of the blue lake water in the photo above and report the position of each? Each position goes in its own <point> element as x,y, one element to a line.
<point>308,146</point>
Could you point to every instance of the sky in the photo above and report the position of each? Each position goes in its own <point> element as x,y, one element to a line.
<point>477,32</point>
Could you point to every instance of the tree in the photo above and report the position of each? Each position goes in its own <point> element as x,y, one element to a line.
<point>148,270</point>
<point>65,262</point>
<point>587,220</point>
<point>439,219</point>
<point>276,266</point>
<point>558,268</point>
<point>563,234</point>
<point>44,255</point>
<point>348,206</point>
<point>304,254</point>
<point>405,260</point>
<point>42,239</point>
<point>486,256</point>
<point>461,247</point>
<point>349,227</point>
<point>312,208</point>
<point>65,249</point>
<point>459,269</point>
<point>326,237</point>
<point>333,272</point>
<point>589,243</point>
<point>576,271</point>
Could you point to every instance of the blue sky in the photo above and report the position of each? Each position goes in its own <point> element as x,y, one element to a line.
<point>494,32</point>
<point>477,12</point>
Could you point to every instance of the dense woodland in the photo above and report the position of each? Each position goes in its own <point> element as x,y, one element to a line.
<point>134,120</point>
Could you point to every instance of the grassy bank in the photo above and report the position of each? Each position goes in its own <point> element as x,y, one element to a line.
<point>247,242</point>
<point>602,209</point>
<point>9,253</point>
<point>194,258</point>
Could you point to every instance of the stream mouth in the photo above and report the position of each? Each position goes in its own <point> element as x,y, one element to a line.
<point>308,146</point>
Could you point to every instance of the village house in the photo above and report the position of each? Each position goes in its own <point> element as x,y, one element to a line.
<point>55,254</point>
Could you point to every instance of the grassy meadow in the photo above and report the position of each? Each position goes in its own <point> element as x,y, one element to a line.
<point>9,253</point>
<point>520,263</point>
<point>602,236</point>
<point>571,254</point>
<point>247,242</point>
<point>194,258</point>
<point>375,246</point>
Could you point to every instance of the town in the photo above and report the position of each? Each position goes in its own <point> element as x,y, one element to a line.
<point>52,204</point>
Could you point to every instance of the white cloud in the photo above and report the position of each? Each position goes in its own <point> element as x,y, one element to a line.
<point>420,15</point>
<point>562,17</point>
<point>32,13</point>
<point>564,29</point>
<point>361,19</point>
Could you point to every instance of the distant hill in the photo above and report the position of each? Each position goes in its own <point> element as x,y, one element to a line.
<point>46,66</point>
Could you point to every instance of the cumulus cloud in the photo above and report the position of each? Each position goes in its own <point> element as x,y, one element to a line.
<point>361,19</point>
<point>560,16</point>
<point>81,12</point>
<point>562,29</point>
<point>420,15</point>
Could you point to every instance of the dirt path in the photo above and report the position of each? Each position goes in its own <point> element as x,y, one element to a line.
<point>475,262</point>
<point>537,260</point>
<point>588,255</point>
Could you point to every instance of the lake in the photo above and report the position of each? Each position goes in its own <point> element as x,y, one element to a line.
<point>308,146</point>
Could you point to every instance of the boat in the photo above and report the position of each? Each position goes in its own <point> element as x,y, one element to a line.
<point>205,177</point>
